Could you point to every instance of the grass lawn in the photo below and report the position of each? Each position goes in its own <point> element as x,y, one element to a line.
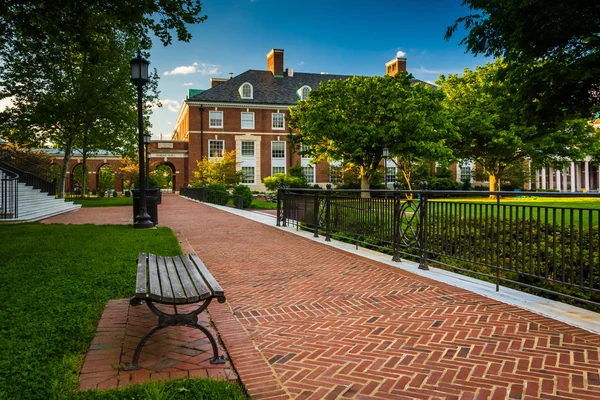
<point>56,280</point>
<point>263,205</point>
<point>105,201</point>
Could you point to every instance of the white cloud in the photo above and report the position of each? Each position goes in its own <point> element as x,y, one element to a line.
<point>203,69</point>
<point>400,54</point>
<point>426,71</point>
<point>301,63</point>
<point>171,105</point>
<point>5,103</point>
<point>188,84</point>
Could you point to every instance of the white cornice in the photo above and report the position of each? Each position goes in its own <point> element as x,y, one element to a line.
<point>238,105</point>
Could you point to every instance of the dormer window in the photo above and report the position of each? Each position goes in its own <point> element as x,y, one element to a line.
<point>303,92</point>
<point>246,91</point>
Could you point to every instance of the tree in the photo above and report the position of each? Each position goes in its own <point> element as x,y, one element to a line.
<point>130,171</point>
<point>219,171</point>
<point>352,121</point>
<point>551,46</point>
<point>48,21</point>
<point>493,131</point>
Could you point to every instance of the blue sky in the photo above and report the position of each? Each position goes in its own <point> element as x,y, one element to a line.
<point>339,37</point>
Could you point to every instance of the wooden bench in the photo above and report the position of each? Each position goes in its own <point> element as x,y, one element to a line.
<point>175,281</point>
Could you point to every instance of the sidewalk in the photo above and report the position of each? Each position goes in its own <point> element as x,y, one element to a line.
<point>303,320</point>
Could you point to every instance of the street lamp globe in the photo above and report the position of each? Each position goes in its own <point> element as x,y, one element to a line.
<point>147,138</point>
<point>139,70</point>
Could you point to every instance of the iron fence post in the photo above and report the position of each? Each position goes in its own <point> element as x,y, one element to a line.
<point>423,231</point>
<point>328,213</point>
<point>279,199</point>
<point>397,222</point>
<point>497,243</point>
<point>316,211</point>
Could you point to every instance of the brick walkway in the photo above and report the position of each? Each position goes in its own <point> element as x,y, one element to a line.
<point>304,320</point>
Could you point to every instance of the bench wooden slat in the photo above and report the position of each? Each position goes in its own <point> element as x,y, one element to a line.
<point>203,290</point>
<point>155,293</point>
<point>179,294</point>
<point>190,291</point>
<point>141,278</point>
<point>165,283</point>
<point>216,289</point>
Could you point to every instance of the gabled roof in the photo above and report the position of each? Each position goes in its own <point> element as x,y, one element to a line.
<point>266,88</point>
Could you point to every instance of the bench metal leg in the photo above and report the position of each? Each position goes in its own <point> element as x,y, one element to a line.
<point>165,320</point>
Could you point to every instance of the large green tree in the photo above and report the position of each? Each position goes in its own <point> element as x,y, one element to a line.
<point>352,121</point>
<point>493,131</point>
<point>552,48</point>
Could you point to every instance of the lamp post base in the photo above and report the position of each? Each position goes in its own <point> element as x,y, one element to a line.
<point>142,221</point>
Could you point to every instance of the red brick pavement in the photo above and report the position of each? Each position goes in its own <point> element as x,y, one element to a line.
<point>307,321</point>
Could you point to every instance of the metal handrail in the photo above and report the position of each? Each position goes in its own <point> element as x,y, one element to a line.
<point>9,195</point>
<point>29,178</point>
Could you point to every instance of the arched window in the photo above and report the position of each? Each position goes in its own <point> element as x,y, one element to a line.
<point>303,92</point>
<point>246,91</point>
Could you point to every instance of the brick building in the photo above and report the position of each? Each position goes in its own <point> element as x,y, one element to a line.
<point>247,113</point>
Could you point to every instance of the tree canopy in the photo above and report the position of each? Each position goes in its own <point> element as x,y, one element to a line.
<point>352,121</point>
<point>552,47</point>
<point>492,130</point>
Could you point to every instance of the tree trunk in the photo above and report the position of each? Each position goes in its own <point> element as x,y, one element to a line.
<point>83,173</point>
<point>493,185</point>
<point>365,184</point>
<point>63,172</point>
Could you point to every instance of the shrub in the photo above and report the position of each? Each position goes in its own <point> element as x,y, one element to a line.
<point>217,193</point>
<point>101,193</point>
<point>444,184</point>
<point>245,192</point>
<point>115,194</point>
<point>273,182</point>
<point>127,193</point>
<point>94,192</point>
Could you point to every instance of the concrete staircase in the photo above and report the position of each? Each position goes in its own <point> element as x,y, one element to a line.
<point>33,205</point>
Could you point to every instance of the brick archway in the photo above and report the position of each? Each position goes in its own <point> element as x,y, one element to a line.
<point>173,172</point>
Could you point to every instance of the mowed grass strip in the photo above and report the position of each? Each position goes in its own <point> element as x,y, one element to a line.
<point>105,201</point>
<point>56,281</point>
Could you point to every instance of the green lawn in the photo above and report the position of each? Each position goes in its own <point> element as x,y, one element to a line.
<point>263,205</point>
<point>105,201</point>
<point>56,280</point>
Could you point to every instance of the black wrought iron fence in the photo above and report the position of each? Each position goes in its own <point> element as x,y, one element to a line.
<point>9,195</point>
<point>544,243</point>
<point>207,195</point>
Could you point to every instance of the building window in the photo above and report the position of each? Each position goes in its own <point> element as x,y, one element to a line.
<point>215,148</point>
<point>248,175</point>
<point>247,148</point>
<point>278,149</point>
<point>215,119</point>
<point>246,91</point>
<point>336,174</point>
<point>309,173</point>
<point>277,170</point>
<point>277,121</point>
<point>247,120</point>
<point>465,171</point>
<point>304,149</point>
<point>303,92</point>
<point>390,176</point>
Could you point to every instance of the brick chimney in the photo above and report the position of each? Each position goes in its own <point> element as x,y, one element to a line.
<point>396,65</point>
<point>275,62</point>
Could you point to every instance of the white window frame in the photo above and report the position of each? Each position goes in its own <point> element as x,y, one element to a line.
<point>242,120</point>
<point>211,119</point>
<point>244,180</point>
<point>280,172</point>
<point>312,167</point>
<point>464,165</point>
<point>273,121</point>
<point>304,148</point>
<point>210,150</point>
<point>242,149</point>
<point>284,151</point>
<point>301,92</point>
<point>391,173</point>
<point>246,85</point>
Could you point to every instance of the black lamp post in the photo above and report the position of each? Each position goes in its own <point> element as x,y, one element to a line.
<point>147,138</point>
<point>139,77</point>
<point>386,153</point>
